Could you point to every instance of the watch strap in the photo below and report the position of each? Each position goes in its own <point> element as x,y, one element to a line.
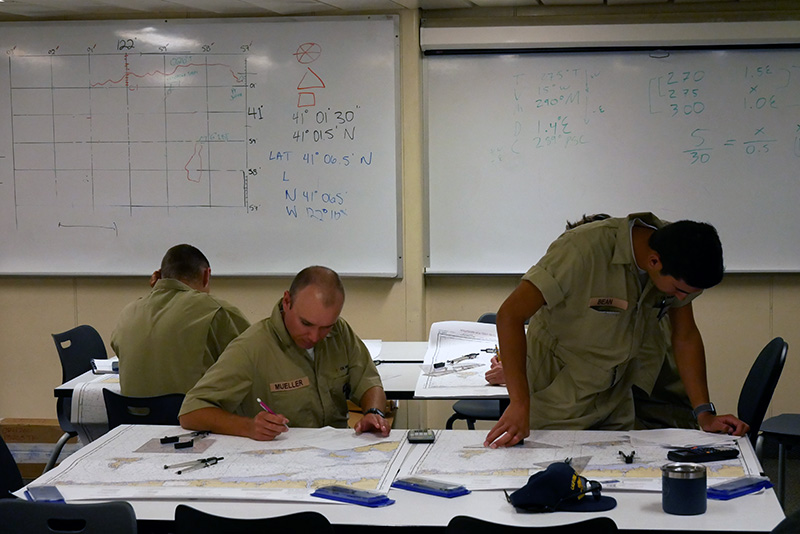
<point>703,408</point>
<point>376,412</point>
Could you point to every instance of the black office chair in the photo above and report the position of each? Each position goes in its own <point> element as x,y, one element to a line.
<point>10,477</point>
<point>189,520</point>
<point>76,348</point>
<point>472,410</point>
<point>462,524</point>
<point>760,385</point>
<point>785,430</point>
<point>22,517</point>
<point>158,410</point>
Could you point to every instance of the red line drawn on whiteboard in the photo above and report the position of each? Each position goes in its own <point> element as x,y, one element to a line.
<point>306,100</point>
<point>308,53</point>
<point>308,82</point>
<point>198,149</point>
<point>128,73</point>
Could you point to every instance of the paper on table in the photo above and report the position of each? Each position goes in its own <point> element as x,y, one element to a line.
<point>374,347</point>
<point>445,372</point>
<point>105,366</point>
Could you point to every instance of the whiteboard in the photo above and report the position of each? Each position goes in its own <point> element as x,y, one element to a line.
<point>269,144</point>
<point>517,144</point>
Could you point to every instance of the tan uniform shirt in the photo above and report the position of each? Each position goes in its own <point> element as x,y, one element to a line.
<point>598,334</point>
<point>265,363</point>
<point>166,340</point>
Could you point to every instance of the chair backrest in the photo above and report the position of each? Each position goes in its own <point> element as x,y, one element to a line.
<point>189,520</point>
<point>760,385</point>
<point>10,478</point>
<point>462,524</point>
<point>158,410</point>
<point>19,516</point>
<point>488,317</point>
<point>77,348</point>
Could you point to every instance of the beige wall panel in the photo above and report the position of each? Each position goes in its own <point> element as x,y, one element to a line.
<point>786,324</point>
<point>465,298</point>
<point>99,301</point>
<point>30,310</point>
<point>734,319</point>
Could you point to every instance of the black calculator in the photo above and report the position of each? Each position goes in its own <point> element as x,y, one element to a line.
<point>421,435</point>
<point>702,454</point>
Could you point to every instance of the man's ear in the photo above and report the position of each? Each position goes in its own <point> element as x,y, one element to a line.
<point>654,262</point>
<point>206,278</point>
<point>287,301</point>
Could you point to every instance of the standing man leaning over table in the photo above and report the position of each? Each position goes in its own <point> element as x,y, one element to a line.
<point>166,340</point>
<point>304,362</point>
<point>593,300</point>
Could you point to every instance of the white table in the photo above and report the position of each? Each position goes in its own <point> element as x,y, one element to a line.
<point>635,510</point>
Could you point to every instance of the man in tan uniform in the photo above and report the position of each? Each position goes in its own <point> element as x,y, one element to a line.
<point>166,340</point>
<point>303,362</point>
<point>595,301</point>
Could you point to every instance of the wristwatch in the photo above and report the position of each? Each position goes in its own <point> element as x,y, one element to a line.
<point>376,412</point>
<point>707,407</point>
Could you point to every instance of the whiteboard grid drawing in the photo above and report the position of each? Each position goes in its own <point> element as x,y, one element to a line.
<point>269,145</point>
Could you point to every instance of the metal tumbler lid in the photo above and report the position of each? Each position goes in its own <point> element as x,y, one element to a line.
<point>683,470</point>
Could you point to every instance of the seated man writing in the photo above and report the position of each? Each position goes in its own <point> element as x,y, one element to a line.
<point>303,362</point>
<point>166,340</point>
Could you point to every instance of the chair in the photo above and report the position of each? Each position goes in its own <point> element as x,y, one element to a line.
<point>785,429</point>
<point>10,477</point>
<point>76,348</point>
<point>158,410</point>
<point>760,385</point>
<point>462,524</point>
<point>23,517</point>
<point>472,410</point>
<point>189,520</point>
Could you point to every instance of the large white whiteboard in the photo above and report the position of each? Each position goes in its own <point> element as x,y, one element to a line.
<point>269,144</point>
<point>518,144</point>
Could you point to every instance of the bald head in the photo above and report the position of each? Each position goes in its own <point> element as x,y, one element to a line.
<point>327,283</point>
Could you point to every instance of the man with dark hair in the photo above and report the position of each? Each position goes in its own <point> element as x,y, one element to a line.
<point>299,366</point>
<point>595,301</point>
<point>166,340</point>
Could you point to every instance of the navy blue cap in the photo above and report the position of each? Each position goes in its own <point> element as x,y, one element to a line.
<point>560,488</point>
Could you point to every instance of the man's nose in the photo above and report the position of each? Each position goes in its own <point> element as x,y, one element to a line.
<point>315,335</point>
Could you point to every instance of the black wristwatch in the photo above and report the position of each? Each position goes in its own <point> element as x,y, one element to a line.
<point>703,408</point>
<point>376,412</point>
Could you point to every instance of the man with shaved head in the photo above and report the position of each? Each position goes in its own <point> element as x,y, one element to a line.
<point>298,367</point>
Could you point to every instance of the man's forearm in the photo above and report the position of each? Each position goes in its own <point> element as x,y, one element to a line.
<point>374,397</point>
<point>217,421</point>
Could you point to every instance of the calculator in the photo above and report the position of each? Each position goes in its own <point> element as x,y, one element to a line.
<point>421,435</point>
<point>702,454</point>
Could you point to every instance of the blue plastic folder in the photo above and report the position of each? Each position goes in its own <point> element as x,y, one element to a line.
<point>431,487</point>
<point>373,499</point>
<point>738,487</point>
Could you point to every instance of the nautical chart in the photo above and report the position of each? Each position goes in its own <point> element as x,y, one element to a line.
<point>130,464</point>
<point>459,456</point>
<point>459,354</point>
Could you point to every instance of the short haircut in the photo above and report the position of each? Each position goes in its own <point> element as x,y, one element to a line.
<point>320,276</point>
<point>690,251</point>
<point>184,262</point>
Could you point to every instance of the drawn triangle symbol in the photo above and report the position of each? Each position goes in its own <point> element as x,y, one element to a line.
<point>310,82</point>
